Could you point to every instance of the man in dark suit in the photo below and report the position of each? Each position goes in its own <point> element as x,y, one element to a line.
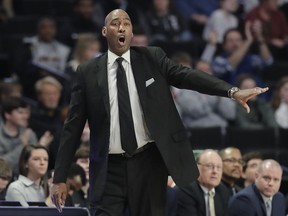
<point>232,168</point>
<point>137,177</point>
<point>194,199</point>
<point>261,198</point>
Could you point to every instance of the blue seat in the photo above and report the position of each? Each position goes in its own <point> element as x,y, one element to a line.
<point>43,211</point>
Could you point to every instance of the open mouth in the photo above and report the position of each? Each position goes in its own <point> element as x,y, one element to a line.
<point>121,40</point>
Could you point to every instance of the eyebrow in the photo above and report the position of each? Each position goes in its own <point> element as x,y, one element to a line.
<point>126,18</point>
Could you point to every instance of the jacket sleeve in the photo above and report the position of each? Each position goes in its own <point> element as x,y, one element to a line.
<point>72,129</point>
<point>187,78</point>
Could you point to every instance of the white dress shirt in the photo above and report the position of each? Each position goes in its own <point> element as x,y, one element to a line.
<point>142,134</point>
<point>205,191</point>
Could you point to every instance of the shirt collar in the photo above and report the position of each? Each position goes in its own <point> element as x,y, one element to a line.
<point>26,181</point>
<point>205,190</point>
<point>265,199</point>
<point>112,57</point>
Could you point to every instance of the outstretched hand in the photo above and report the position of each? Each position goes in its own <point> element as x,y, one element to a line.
<point>242,96</point>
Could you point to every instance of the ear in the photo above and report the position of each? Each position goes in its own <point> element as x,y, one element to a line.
<point>104,31</point>
<point>7,115</point>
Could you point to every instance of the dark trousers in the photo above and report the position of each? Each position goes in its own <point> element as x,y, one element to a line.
<point>135,185</point>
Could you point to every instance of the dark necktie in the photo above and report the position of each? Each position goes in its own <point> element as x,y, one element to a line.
<point>127,132</point>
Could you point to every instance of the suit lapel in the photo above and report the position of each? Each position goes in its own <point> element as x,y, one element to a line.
<point>102,79</point>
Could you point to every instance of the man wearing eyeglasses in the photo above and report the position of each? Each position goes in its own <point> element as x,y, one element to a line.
<point>232,168</point>
<point>261,198</point>
<point>207,196</point>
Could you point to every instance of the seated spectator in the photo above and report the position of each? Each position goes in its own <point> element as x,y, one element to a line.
<point>87,47</point>
<point>82,159</point>
<point>261,198</point>
<point>280,103</point>
<point>222,20</point>
<point>252,160</point>
<point>196,12</point>
<point>82,21</point>
<point>46,114</point>
<point>166,24</point>
<point>207,196</point>
<point>40,54</point>
<point>30,186</point>
<point>5,177</point>
<point>236,58</point>
<point>261,114</point>
<point>76,179</point>
<point>14,134</point>
<point>275,26</point>
<point>232,168</point>
<point>199,110</point>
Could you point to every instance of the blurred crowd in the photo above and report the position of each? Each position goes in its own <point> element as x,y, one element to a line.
<point>244,42</point>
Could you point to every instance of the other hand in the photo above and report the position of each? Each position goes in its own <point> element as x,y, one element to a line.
<point>59,193</point>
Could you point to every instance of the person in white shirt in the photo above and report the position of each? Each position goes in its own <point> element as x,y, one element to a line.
<point>280,103</point>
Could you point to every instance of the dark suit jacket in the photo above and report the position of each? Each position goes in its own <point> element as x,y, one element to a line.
<point>191,200</point>
<point>90,100</point>
<point>249,202</point>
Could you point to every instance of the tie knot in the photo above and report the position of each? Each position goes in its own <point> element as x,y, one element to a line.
<point>210,193</point>
<point>119,60</point>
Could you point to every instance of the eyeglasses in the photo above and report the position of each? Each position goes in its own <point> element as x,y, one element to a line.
<point>211,166</point>
<point>268,179</point>
<point>234,161</point>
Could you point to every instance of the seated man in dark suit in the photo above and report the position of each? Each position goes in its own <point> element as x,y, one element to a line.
<point>261,198</point>
<point>195,199</point>
<point>232,168</point>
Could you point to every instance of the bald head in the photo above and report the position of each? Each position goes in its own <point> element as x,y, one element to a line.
<point>206,154</point>
<point>269,164</point>
<point>210,168</point>
<point>268,177</point>
<point>227,152</point>
<point>113,14</point>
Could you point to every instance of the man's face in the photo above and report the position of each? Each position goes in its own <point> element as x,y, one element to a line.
<point>232,164</point>
<point>233,42</point>
<point>268,182</point>
<point>210,167</point>
<point>49,96</point>
<point>18,117</point>
<point>251,168</point>
<point>47,30</point>
<point>118,31</point>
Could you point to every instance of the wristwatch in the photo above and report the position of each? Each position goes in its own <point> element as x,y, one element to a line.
<point>232,91</point>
